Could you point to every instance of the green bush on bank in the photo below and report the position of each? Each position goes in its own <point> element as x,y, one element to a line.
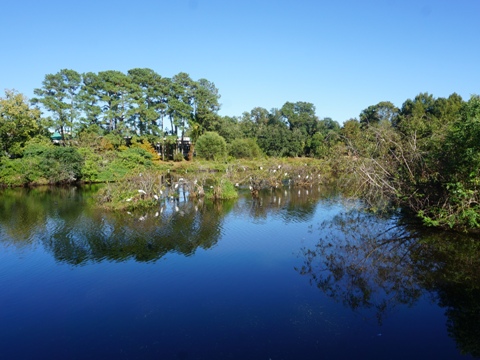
<point>244,149</point>
<point>42,164</point>
<point>211,146</point>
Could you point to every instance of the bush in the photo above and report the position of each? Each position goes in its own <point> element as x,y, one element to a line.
<point>11,172</point>
<point>221,189</point>
<point>61,164</point>
<point>37,146</point>
<point>143,143</point>
<point>92,165</point>
<point>211,146</point>
<point>178,157</point>
<point>244,149</point>
<point>136,156</point>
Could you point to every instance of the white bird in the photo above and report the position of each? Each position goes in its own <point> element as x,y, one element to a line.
<point>161,192</point>
<point>129,199</point>
<point>176,208</point>
<point>176,186</point>
<point>155,196</point>
<point>141,191</point>
<point>156,214</point>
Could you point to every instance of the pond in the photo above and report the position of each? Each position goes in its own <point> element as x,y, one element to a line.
<point>294,274</point>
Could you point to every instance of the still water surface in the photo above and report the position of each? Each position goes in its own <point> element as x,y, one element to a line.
<point>292,275</point>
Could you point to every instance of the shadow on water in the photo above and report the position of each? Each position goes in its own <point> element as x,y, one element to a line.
<point>372,264</point>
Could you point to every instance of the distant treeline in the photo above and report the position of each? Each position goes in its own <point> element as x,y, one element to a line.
<point>423,156</point>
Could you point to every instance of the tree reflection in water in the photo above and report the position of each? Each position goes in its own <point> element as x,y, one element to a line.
<point>363,261</point>
<point>76,233</point>
<point>373,264</point>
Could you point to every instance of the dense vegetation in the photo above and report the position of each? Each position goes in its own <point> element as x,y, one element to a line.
<point>423,156</point>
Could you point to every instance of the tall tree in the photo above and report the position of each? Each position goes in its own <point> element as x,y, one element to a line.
<point>58,95</point>
<point>90,103</point>
<point>374,114</point>
<point>300,115</point>
<point>205,104</point>
<point>149,101</point>
<point>113,90</point>
<point>180,102</point>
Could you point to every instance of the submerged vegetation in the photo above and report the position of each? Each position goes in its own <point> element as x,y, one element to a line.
<point>423,157</point>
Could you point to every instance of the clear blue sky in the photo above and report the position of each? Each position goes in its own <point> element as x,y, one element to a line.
<point>342,55</point>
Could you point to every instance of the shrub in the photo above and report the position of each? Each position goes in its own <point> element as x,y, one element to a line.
<point>244,149</point>
<point>61,164</point>
<point>221,189</point>
<point>178,157</point>
<point>37,146</point>
<point>11,172</point>
<point>143,143</point>
<point>211,146</point>
<point>92,165</point>
<point>136,156</point>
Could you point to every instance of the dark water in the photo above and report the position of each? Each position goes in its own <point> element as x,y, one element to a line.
<point>294,275</point>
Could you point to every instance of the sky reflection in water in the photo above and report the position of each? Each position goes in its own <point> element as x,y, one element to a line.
<point>208,281</point>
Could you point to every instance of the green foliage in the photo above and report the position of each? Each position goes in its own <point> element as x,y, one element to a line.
<point>300,115</point>
<point>37,146</point>
<point>178,157</point>
<point>221,189</point>
<point>276,140</point>
<point>383,111</point>
<point>459,163</point>
<point>59,96</point>
<point>18,123</point>
<point>136,156</point>
<point>115,139</point>
<point>92,165</point>
<point>62,164</point>
<point>244,149</point>
<point>43,164</point>
<point>12,172</point>
<point>211,146</point>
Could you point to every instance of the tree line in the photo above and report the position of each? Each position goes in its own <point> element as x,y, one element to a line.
<point>423,155</point>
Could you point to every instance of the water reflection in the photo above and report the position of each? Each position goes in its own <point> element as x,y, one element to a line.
<point>74,231</point>
<point>370,264</point>
<point>293,205</point>
<point>373,264</point>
